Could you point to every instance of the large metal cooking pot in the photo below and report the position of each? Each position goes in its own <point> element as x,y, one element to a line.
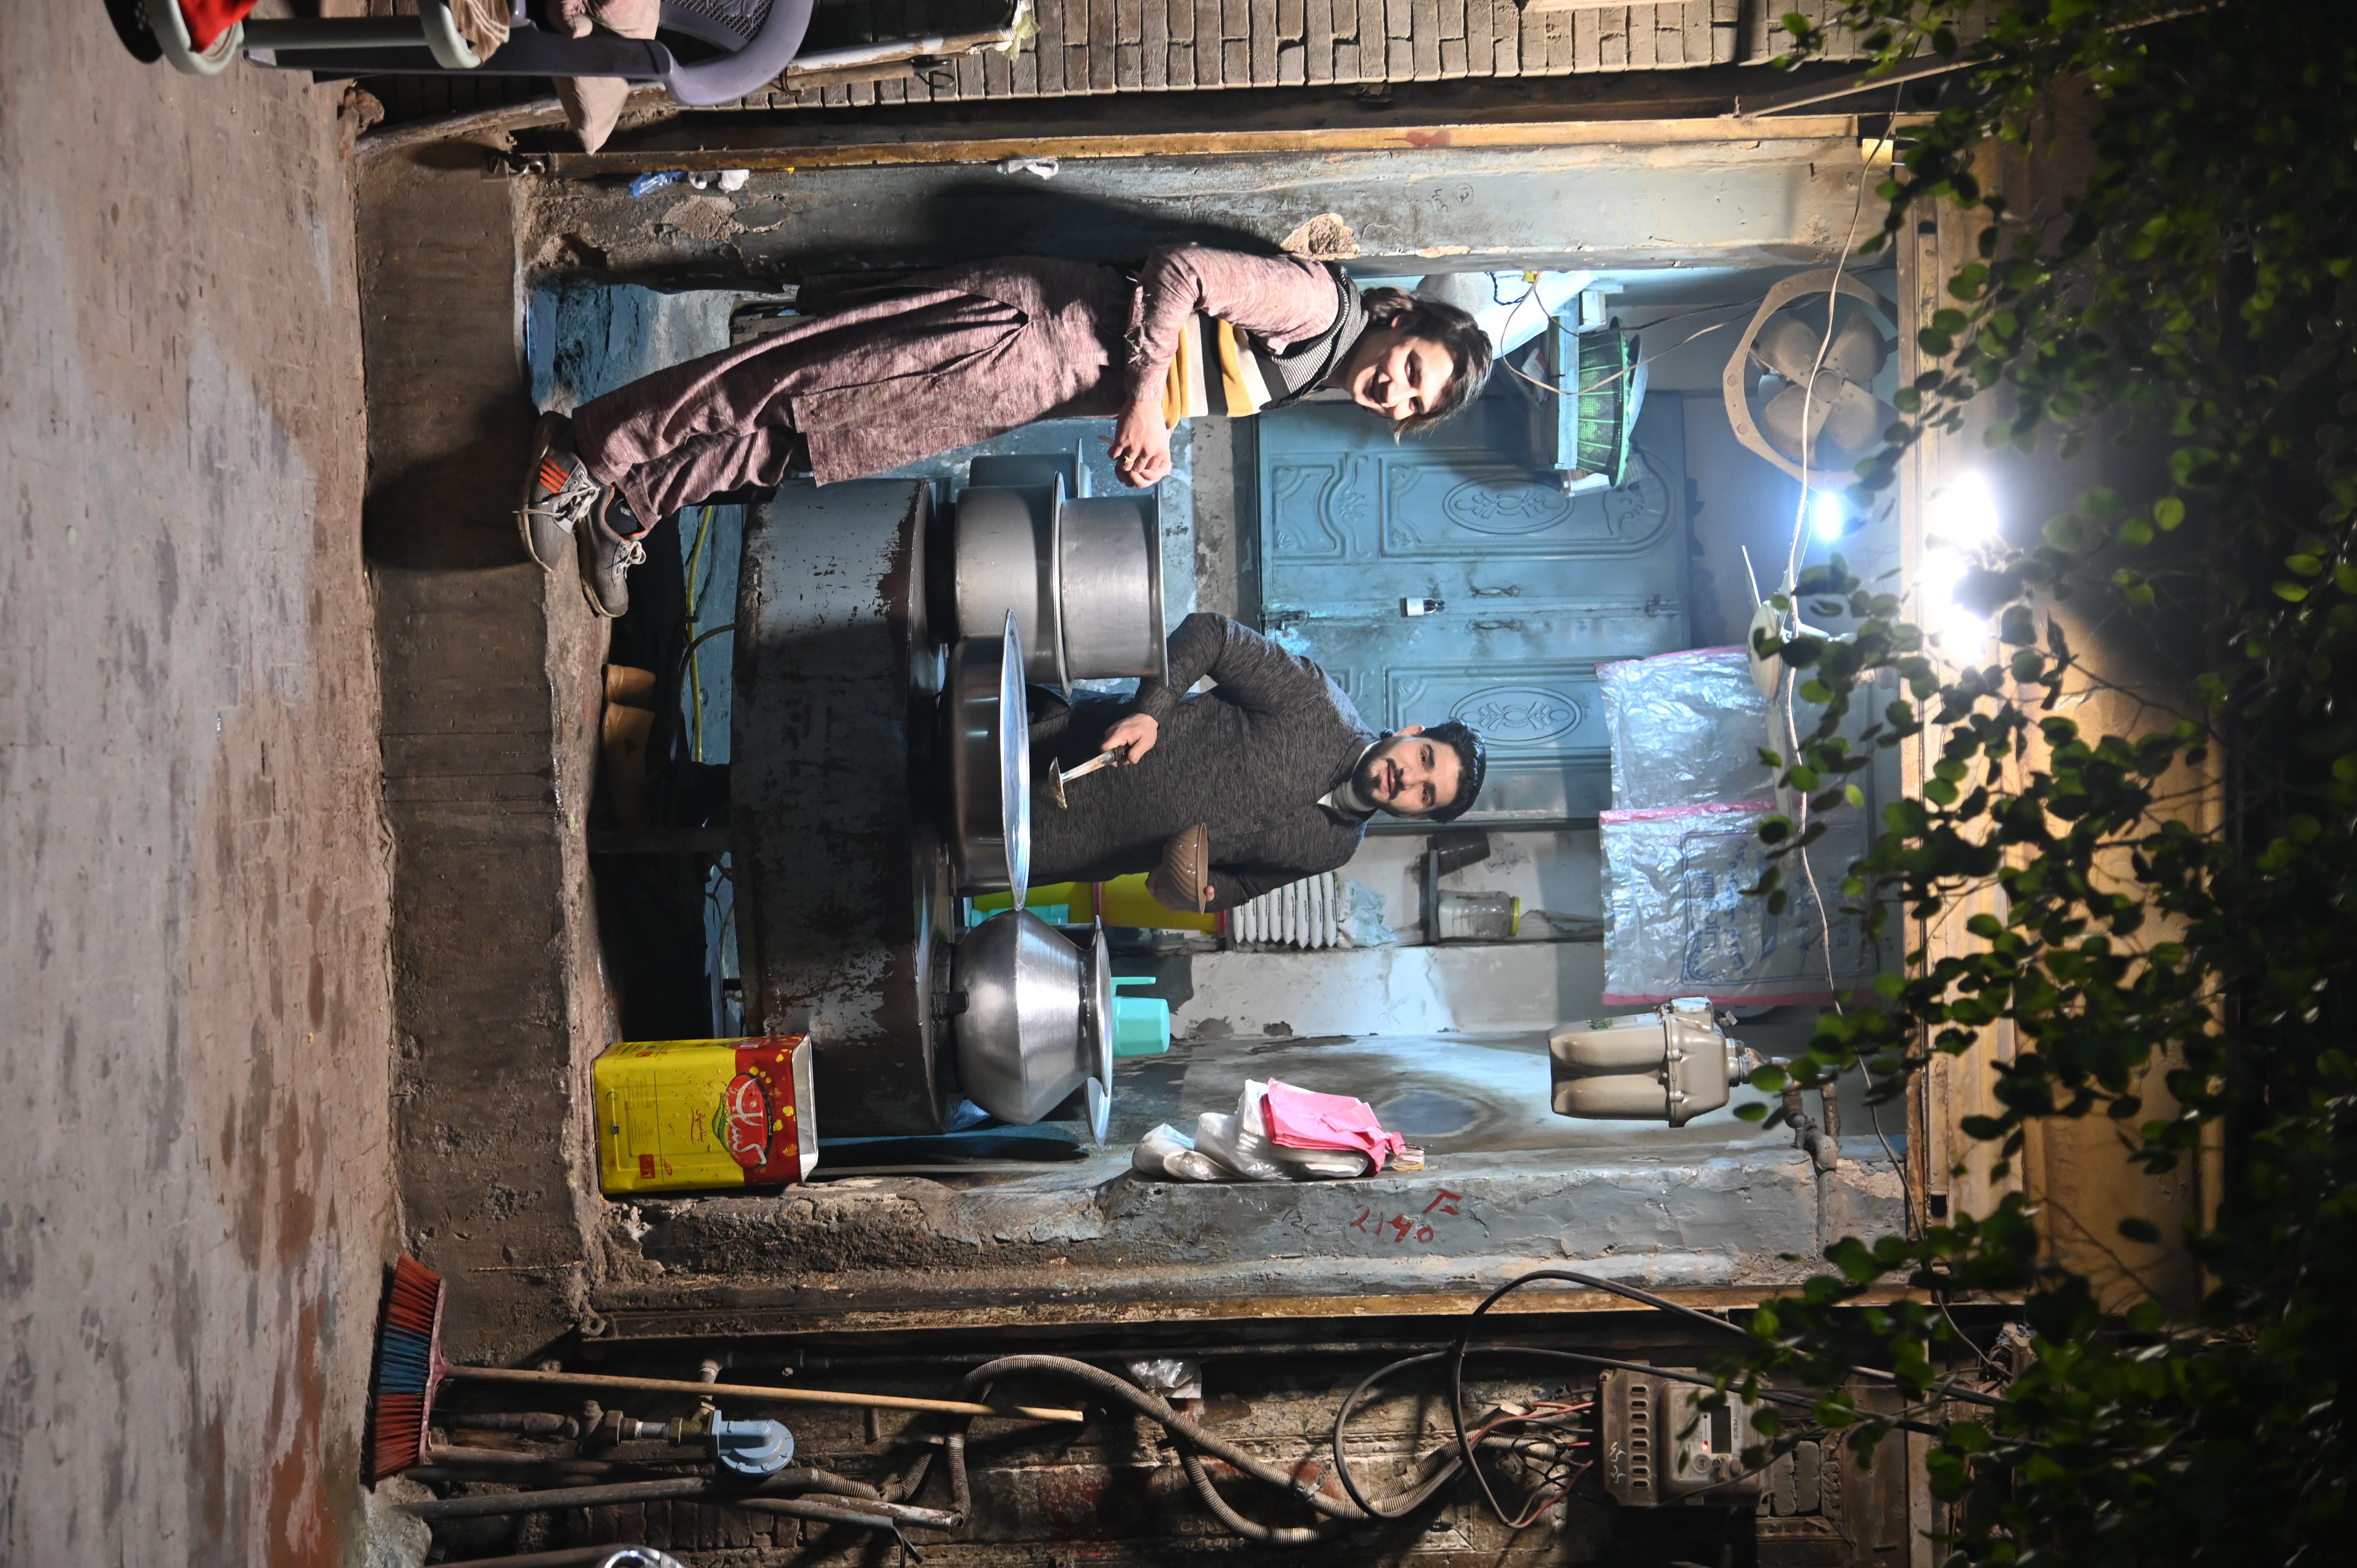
<point>1110,579</point>
<point>987,716</point>
<point>1007,563</point>
<point>1023,1040</point>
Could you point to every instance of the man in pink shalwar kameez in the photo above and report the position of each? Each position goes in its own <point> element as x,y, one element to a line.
<point>889,375</point>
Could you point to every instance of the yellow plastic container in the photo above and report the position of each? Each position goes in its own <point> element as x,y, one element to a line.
<point>704,1113</point>
<point>1124,901</point>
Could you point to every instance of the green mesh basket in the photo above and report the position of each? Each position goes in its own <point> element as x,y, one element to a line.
<point>1605,379</point>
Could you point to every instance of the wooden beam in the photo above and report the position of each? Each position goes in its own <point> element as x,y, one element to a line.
<point>738,152</point>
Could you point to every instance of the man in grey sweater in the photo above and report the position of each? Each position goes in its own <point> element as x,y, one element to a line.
<point>1274,760</point>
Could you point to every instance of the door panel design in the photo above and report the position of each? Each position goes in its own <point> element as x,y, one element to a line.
<point>1534,587</point>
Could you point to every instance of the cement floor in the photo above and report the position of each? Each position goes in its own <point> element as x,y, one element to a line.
<point>194,1193</point>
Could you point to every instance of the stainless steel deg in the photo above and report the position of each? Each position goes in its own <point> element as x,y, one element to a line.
<point>1009,562</point>
<point>988,717</point>
<point>1096,1030</point>
<point>1112,586</point>
<point>1022,1047</point>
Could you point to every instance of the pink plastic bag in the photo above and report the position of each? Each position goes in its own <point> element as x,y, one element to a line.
<point>1304,1119</point>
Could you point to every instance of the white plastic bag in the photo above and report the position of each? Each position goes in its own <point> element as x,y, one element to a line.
<point>1679,923</point>
<point>1686,729</point>
<point>1168,1155</point>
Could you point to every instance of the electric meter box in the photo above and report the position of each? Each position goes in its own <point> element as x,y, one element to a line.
<point>1662,1444</point>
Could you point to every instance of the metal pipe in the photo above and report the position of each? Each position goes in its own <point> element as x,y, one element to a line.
<point>335,32</point>
<point>858,1495</point>
<point>510,1459</point>
<point>563,1557</point>
<point>892,51</point>
<point>497,1503</point>
<point>771,1396</point>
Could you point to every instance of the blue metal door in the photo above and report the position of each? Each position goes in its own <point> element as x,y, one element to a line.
<point>1523,590</point>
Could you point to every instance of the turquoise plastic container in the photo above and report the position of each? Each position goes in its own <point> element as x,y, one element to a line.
<point>1141,1024</point>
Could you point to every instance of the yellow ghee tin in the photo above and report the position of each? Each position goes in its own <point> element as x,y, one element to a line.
<point>704,1113</point>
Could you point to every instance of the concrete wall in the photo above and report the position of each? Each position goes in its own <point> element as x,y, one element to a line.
<point>1735,202</point>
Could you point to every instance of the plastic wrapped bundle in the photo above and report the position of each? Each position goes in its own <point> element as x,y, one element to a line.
<point>1678,922</point>
<point>1686,729</point>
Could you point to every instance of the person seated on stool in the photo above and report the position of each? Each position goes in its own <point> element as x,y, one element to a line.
<point>1274,760</point>
<point>883,376</point>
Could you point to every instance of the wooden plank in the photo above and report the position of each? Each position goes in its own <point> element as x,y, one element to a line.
<point>1452,59</point>
<point>1076,22</point>
<point>1263,43</point>
<point>1640,42</point>
<point>969,76</point>
<point>1452,18</point>
<point>1292,24</point>
<point>1155,57</point>
<point>1795,128</point>
<point>1534,44</point>
<point>1182,65</point>
<point>895,91</point>
<point>1346,62</point>
<point>1292,64</point>
<point>1023,76</point>
<point>1423,37</point>
<point>1128,68</point>
<point>1235,61</point>
<point>998,74</point>
<point>1318,37</point>
<point>1129,21</point>
<point>1078,67</point>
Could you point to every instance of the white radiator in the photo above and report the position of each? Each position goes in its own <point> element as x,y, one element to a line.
<point>1304,914</point>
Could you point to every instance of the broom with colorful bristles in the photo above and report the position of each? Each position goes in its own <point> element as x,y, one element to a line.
<point>410,1370</point>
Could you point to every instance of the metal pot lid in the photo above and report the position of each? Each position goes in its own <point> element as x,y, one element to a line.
<point>1015,763</point>
<point>987,732</point>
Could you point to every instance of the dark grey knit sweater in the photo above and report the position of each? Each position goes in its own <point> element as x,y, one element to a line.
<point>1250,760</point>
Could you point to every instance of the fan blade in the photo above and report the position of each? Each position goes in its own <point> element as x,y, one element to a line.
<point>1857,419</point>
<point>1858,349</point>
<point>1779,420</point>
<point>1788,347</point>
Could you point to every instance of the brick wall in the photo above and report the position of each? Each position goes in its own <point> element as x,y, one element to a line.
<point>1168,46</point>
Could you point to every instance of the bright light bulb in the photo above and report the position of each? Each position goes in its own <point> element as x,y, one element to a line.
<point>1963,520</point>
<point>1964,514</point>
<point>1827,516</point>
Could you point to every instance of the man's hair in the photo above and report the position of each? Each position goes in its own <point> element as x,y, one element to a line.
<point>1472,761</point>
<point>1452,330</point>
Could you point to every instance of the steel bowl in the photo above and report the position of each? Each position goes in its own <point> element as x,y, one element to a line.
<point>1008,560</point>
<point>1112,587</point>
<point>988,744</point>
<point>1022,1044</point>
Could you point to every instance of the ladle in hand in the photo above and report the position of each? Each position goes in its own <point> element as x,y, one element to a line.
<point>1058,777</point>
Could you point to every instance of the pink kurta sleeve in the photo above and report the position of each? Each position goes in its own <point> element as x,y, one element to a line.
<point>1279,299</point>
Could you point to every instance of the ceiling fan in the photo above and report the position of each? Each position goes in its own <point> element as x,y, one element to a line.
<point>1798,396</point>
